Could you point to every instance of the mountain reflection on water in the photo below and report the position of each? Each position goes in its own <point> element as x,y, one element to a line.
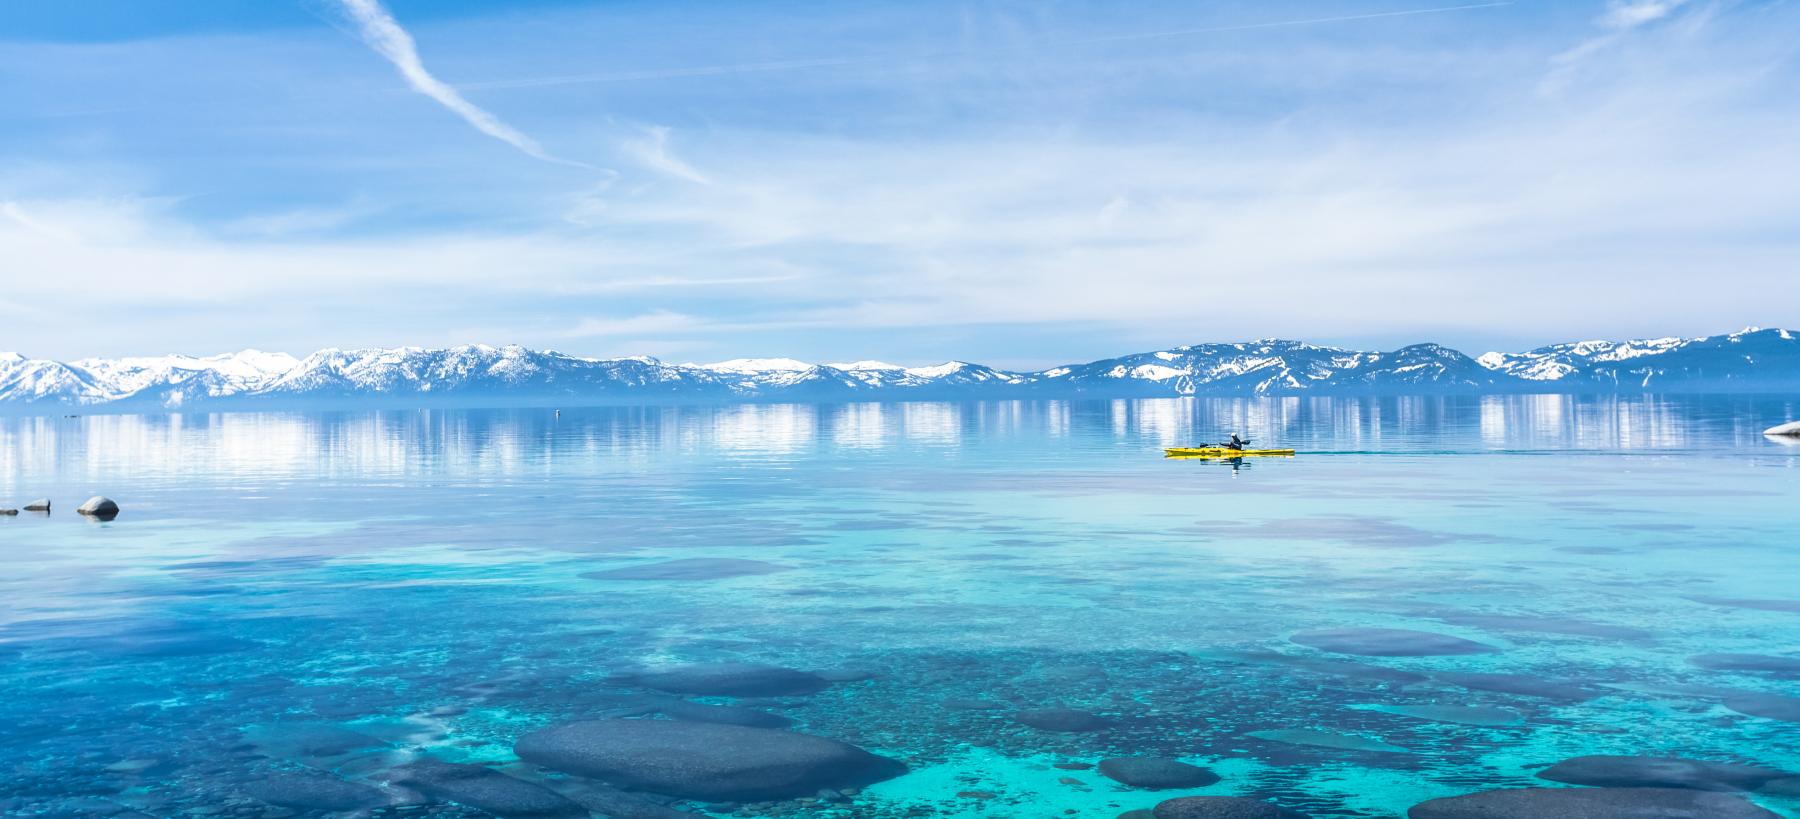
<point>419,613</point>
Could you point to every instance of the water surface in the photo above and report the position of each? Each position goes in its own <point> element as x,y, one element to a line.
<point>344,594</point>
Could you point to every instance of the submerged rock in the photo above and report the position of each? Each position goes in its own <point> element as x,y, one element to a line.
<point>1327,739</point>
<point>485,789</point>
<point>39,505</point>
<point>1783,667</point>
<point>731,680</point>
<point>1156,773</point>
<point>1065,720</point>
<point>7,512</point>
<point>1590,803</point>
<point>699,760</point>
<point>693,568</point>
<point>99,507</point>
<point>312,792</point>
<point>1389,642</point>
<point>1658,772</point>
<point>1522,684</point>
<point>1546,625</point>
<point>1767,706</point>
<point>1221,807</point>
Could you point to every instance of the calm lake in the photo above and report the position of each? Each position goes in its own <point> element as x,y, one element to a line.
<point>300,614</point>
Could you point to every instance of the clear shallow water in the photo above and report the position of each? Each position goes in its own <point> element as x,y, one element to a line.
<point>438,584</point>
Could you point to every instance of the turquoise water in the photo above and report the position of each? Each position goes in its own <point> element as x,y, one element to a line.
<point>438,584</point>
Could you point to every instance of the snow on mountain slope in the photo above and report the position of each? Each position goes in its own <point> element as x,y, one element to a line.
<point>1743,360</point>
<point>496,376</point>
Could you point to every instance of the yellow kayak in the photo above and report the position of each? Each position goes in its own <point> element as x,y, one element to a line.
<point>1224,452</point>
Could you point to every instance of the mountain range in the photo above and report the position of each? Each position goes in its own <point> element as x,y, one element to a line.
<point>1753,360</point>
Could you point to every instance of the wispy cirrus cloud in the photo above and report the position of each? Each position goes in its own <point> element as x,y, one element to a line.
<point>378,28</point>
<point>1629,14</point>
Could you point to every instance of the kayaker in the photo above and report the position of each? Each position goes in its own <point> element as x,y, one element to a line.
<point>1235,442</point>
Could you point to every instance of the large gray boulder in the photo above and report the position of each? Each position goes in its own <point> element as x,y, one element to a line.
<point>39,505</point>
<point>701,760</point>
<point>1590,803</point>
<point>1659,772</point>
<point>1221,807</point>
<point>1155,773</point>
<point>1789,428</point>
<point>99,506</point>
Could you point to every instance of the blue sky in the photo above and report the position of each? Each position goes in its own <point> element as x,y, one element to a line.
<point>1017,183</point>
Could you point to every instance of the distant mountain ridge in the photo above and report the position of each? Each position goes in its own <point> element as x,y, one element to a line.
<point>1753,360</point>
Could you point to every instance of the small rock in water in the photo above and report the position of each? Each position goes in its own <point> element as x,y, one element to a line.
<point>1389,642</point>
<point>693,568</point>
<point>731,680</point>
<point>1658,772</point>
<point>700,760</point>
<point>1767,706</point>
<point>40,505</point>
<point>310,792</point>
<point>1590,803</point>
<point>99,507</point>
<point>1783,667</point>
<point>7,512</point>
<point>485,789</point>
<point>1327,739</point>
<point>1221,807</point>
<point>1521,684</point>
<point>1789,428</point>
<point>1155,773</point>
<point>1066,720</point>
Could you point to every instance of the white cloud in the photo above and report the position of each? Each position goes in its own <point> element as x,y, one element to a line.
<point>383,33</point>
<point>653,151</point>
<point>1629,14</point>
<point>659,321</point>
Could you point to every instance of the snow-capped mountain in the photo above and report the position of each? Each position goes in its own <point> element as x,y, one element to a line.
<point>480,375</point>
<point>1751,359</point>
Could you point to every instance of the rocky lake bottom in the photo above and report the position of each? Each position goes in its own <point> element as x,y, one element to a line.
<point>1441,609</point>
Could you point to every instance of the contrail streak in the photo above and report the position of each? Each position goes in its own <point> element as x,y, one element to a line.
<point>828,62</point>
<point>383,33</point>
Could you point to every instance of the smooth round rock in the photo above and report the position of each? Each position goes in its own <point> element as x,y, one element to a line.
<point>700,760</point>
<point>1389,642</point>
<point>1658,772</point>
<point>732,680</point>
<point>1767,706</point>
<point>1155,773</point>
<point>1222,807</point>
<point>302,792</point>
<point>1063,720</point>
<point>99,507</point>
<point>1590,803</point>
